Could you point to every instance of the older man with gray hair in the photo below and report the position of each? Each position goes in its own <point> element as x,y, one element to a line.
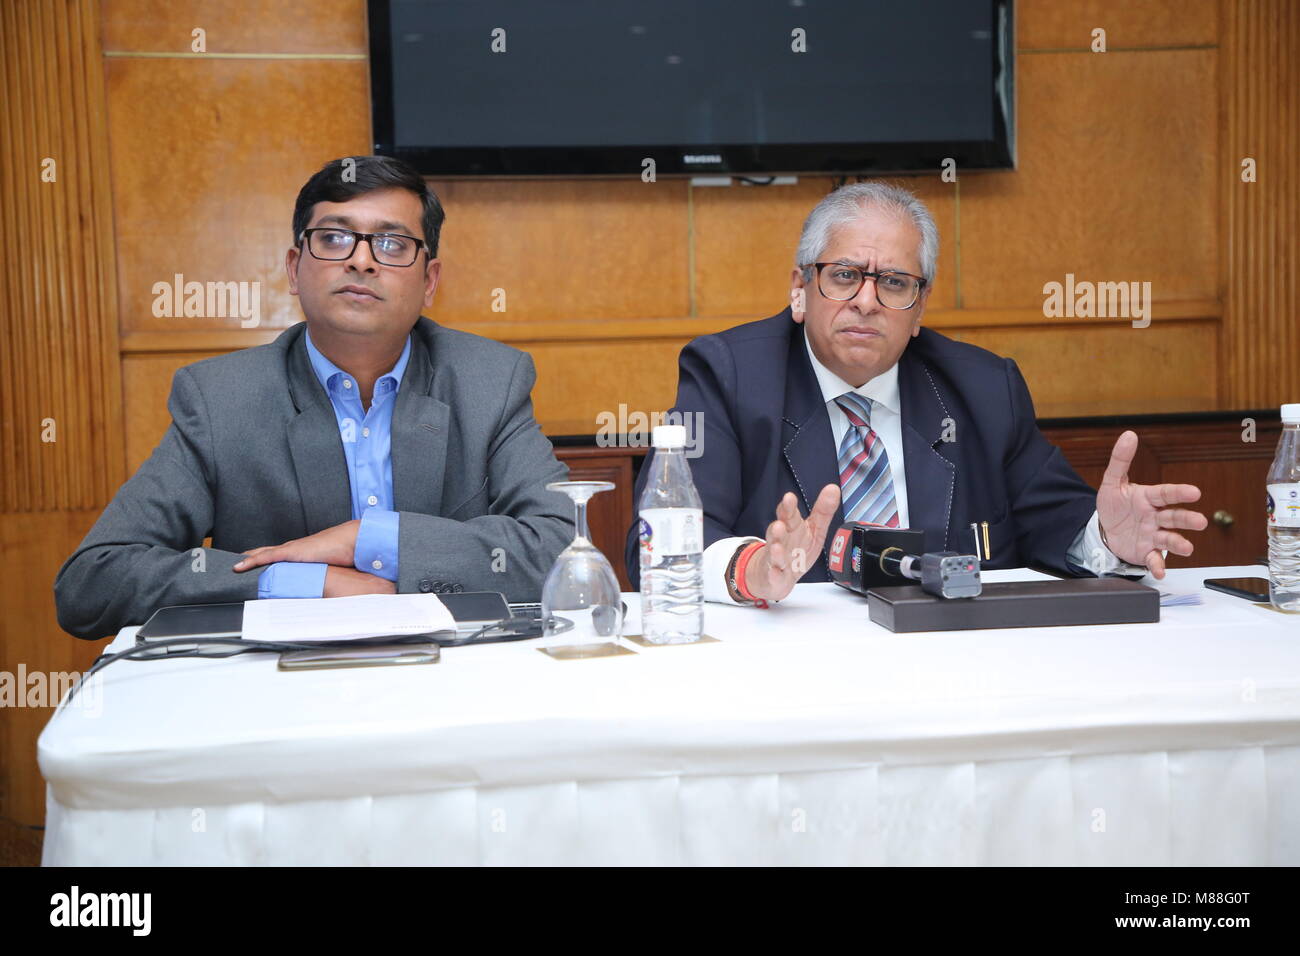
<point>843,407</point>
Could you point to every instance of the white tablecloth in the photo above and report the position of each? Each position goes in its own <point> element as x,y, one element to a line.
<point>806,735</point>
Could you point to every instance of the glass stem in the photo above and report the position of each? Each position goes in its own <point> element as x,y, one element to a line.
<point>580,518</point>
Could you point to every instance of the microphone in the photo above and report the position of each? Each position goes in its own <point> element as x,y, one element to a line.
<point>865,556</point>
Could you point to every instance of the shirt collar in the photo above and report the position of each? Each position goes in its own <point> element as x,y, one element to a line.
<point>881,390</point>
<point>328,373</point>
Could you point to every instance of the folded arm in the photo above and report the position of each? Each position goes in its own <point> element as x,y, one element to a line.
<point>145,551</point>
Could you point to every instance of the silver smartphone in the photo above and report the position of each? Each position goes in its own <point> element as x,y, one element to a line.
<point>365,655</point>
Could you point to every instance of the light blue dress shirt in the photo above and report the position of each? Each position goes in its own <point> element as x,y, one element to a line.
<point>367,445</point>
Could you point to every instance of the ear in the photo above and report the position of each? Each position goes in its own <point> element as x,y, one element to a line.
<point>432,270</point>
<point>798,293</point>
<point>291,268</point>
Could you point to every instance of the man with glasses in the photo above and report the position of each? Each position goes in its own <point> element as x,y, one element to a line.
<point>365,450</point>
<point>844,407</point>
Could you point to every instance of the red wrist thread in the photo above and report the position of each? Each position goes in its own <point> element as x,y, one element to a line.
<point>741,563</point>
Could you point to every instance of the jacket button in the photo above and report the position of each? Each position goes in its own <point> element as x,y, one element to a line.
<point>425,585</point>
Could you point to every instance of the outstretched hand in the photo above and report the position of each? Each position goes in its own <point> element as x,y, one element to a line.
<point>1137,520</point>
<point>792,545</point>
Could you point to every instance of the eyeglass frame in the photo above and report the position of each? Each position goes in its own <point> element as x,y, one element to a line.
<point>874,277</point>
<point>304,240</point>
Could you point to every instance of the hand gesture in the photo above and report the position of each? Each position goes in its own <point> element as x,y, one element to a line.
<point>792,546</point>
<point>1136,520</point>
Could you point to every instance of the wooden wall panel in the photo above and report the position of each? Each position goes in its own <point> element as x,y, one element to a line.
<point>560,250</point>
<point>577,381</point>
<point>1053,25</point>
<point>58,331</point>
<point>1115,182</point>
<point>331,27</point>
<point>208,157</point>
<point>58,356</point>
<point>1074,371</point>
<point>1261,257</point>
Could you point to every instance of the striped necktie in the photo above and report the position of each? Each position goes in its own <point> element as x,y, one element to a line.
<point>866,485</point>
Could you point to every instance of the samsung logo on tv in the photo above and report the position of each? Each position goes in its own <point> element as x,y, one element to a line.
<point>701,158</point>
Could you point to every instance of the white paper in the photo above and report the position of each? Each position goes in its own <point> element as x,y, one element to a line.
<point>1179,599</point>
<point>343,618</point>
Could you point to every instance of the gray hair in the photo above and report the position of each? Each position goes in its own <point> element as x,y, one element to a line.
<point>847,204</point>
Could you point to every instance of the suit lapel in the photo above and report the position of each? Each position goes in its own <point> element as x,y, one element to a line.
<point>808,444</point>
<point>930,476</point>
<point>419,434</point>
<point>317,449</point>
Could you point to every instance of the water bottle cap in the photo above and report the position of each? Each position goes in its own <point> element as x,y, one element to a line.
<point>674,436</point>
<point>1291,414</point>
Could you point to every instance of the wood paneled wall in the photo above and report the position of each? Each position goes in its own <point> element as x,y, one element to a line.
<point>1128,171</point>
<point>61,436</point>
<point>1124,174</point>
<point>60,441</point>
<point>1260,262</point>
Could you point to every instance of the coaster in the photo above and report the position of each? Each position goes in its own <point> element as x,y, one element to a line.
<point>1268,606</point>
<point>578,652</point>
<point>704,639</point>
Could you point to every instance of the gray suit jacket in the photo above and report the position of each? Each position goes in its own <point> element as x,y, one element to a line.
<point>254,457</point>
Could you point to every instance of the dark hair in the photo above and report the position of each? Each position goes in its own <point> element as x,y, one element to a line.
<point>366,174</point>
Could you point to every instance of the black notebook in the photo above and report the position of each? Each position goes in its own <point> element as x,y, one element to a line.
<point>193,620</point>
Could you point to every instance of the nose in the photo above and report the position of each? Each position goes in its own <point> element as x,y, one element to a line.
<point>865,301</point>
<point>362,258</point>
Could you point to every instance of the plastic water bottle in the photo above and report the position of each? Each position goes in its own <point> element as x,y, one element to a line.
<point>1284,515</point>
<point>672,545</point>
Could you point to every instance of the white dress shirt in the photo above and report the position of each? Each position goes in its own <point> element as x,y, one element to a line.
<point>1087,551</point>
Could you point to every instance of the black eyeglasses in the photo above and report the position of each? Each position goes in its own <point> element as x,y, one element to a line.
<point>894,290</point>
<point>388,248</point>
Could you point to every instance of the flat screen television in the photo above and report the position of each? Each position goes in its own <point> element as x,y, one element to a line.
<point>740,87</point>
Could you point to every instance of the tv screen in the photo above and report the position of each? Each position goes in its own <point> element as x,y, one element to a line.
<point>583,87</point>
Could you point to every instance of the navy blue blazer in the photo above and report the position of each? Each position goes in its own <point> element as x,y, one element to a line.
<point>766,431</point>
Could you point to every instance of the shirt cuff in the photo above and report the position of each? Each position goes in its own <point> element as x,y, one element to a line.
<point>292,579</point>
<point>376,550</point>
<point>716,558</point>
<point>1089,553</point>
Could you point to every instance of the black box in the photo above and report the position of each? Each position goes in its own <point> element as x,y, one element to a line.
<point>906,608</point>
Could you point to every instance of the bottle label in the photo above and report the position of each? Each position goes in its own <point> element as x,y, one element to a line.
<point>671,531</point>
<point>1284,505</point>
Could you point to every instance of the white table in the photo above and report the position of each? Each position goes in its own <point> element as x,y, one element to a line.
<point>806,735</point>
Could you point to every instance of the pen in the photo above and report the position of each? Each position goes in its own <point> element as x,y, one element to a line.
<point>987,556</point>
<point>974,530</point>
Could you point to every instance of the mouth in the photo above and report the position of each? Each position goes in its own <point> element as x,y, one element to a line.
<point>358,293</point>
<point>859,333</point>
